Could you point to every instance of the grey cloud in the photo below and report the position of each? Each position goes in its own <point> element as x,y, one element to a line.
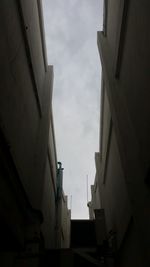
<point>71,32</point>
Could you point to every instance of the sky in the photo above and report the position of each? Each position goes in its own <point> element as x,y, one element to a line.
<point>71,39</point>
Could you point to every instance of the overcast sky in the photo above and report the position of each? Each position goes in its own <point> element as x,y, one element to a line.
<point>71,38</point>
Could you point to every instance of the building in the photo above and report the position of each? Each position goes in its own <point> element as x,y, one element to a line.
<point>64,214</point>
<point>28,167</point>
<point>124,139</point>
<point>95,203</point>
<point>34,217</point>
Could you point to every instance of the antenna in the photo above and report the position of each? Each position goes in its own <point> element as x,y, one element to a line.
<point>87,188</point>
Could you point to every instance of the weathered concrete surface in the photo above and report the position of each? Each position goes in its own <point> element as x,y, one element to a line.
<point>26,120</point>
<point>125,62</point>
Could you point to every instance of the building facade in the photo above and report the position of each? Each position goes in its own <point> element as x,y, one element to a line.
<point>28,165</point>
<point>95,203</point>
<point>124,140</point>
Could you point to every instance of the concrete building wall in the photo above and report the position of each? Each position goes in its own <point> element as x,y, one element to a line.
<point>100,226</point>
<point>28,160</point>
<point>128,44</point>
<point>124,51</point>
<point>32,17</point>
<point>136,90</point>
<point>130,251</point>
<point>25,91</point>
<point>95,203</point>
<point>105,129</point>
<point>65,223</point>
<point>95,195</point>
<point>49,201</point>
<point>63,213</point>
<point>26,123</point>
<point>52,152</point>
<point>113,191</point>
<point>49,208</point>
<point>91,210</point>
<point>112,23</point>
<point>114,196</point>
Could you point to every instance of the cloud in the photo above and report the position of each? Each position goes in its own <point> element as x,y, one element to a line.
<point>71,32</point>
